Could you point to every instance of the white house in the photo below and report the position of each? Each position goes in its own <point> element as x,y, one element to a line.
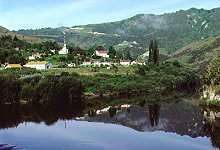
<point>137,63</point>
<point>39,65</point>
<point>87,63</point>
<point>102,53</point>
<point>98,63</point>
<point>71,65</point>
<point>31,57</point>
<point>17,49</point>
<point>34,56</point>
<point>125,62</point>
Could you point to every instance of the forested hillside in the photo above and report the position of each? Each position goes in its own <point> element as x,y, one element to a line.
<point>173,30</point>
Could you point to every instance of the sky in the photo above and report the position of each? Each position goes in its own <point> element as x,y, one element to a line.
<point>33,14</point>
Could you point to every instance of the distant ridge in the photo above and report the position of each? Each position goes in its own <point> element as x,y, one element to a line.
<point>173,30</point>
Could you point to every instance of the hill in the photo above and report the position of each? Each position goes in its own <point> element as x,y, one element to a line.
<point>3,30</point>
<point>33,39</point>
<point>199,53</point>
<point>174,30</point>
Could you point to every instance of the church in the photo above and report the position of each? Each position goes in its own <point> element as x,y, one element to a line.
<point>64,50</point>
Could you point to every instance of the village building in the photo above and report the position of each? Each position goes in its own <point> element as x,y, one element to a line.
<point>64,50</point>
<point>71,65</point>
<point>102,53</point>
<point>125,62</point>
<point>86,63</point>
<point>99,64</point>
<point>13,66</point>
<point>34,56</point>
<point>137,63</point>
<point>17,49</point>
<point>53,51</point>
<point>39,65</point>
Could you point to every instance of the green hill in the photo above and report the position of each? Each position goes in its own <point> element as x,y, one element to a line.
<point>3,30</point>
<point>33,39</point>
<point>174,30</point>
<point>199,53</point>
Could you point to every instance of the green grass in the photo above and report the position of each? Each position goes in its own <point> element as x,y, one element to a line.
<point>210,102</point>
<point>88,71</point>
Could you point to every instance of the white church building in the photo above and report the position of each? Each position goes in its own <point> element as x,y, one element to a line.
<point>64,50</point>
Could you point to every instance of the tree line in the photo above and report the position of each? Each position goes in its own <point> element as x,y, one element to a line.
<point>51,89</point>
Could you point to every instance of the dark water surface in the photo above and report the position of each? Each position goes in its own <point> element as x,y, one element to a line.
<point>175,126</point>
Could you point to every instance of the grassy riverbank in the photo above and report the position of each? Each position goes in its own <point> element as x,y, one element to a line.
<point>54,85</point>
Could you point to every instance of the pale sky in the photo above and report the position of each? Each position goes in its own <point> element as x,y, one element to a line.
<point>26,14</point>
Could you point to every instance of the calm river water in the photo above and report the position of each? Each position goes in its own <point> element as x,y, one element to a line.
<point>168,126</point>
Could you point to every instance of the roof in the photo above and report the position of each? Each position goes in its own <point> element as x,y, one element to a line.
<point>14,65</point>
<point>102,51</point>
<point>37,63</point>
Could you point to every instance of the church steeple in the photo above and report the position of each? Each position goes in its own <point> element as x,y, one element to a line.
<point>64,50</point>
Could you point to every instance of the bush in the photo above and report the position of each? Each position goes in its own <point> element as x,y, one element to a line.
<point>10,89</point>
<point>58,90</point>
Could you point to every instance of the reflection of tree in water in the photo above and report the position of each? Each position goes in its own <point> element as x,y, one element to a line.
<point>154,114</point>
<point>213,130</point>
<point>9,116</point>
<point>12,115</point>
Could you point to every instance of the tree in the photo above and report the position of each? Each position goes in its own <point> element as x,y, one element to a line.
<point>16,59</point>
<point>115,68</point>
<point>15,38</point>
<point>112,52</point>
<point>90,51</point>
<point>154,53</point>
<point>151,51</point>
<point>128,55</point>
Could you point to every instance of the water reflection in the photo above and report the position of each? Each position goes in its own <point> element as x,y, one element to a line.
<point>154,114</point>
<point>13,115</point>
<point>180,118</point>
<point>212,125</point>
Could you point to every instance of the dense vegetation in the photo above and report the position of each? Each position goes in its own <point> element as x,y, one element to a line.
<point>211,79</point>
<point>63,89</point>
<point>150,78</point>
<point>14,50</point>
<point>33,86</point>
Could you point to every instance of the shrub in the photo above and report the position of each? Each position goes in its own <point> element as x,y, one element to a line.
<point>9,89</point>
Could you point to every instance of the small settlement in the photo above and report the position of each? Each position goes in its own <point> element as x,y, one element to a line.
<point>99,58</point>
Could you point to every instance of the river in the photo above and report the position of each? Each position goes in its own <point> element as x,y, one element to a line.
<point>165,126</point>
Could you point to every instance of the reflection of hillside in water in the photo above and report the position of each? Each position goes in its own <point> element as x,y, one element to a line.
<point>180,118</point>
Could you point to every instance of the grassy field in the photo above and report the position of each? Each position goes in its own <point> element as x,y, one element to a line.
<point>88,71</point>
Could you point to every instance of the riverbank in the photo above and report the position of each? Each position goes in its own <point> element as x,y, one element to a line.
<point>69,86</point>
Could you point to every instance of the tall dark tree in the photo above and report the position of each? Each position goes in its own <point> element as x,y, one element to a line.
<point>15,38</point>
<point>90,51</point>
<point>112,52</point>
<point>154,53</point>
<point>151,51</point>
<point>128,55</point>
